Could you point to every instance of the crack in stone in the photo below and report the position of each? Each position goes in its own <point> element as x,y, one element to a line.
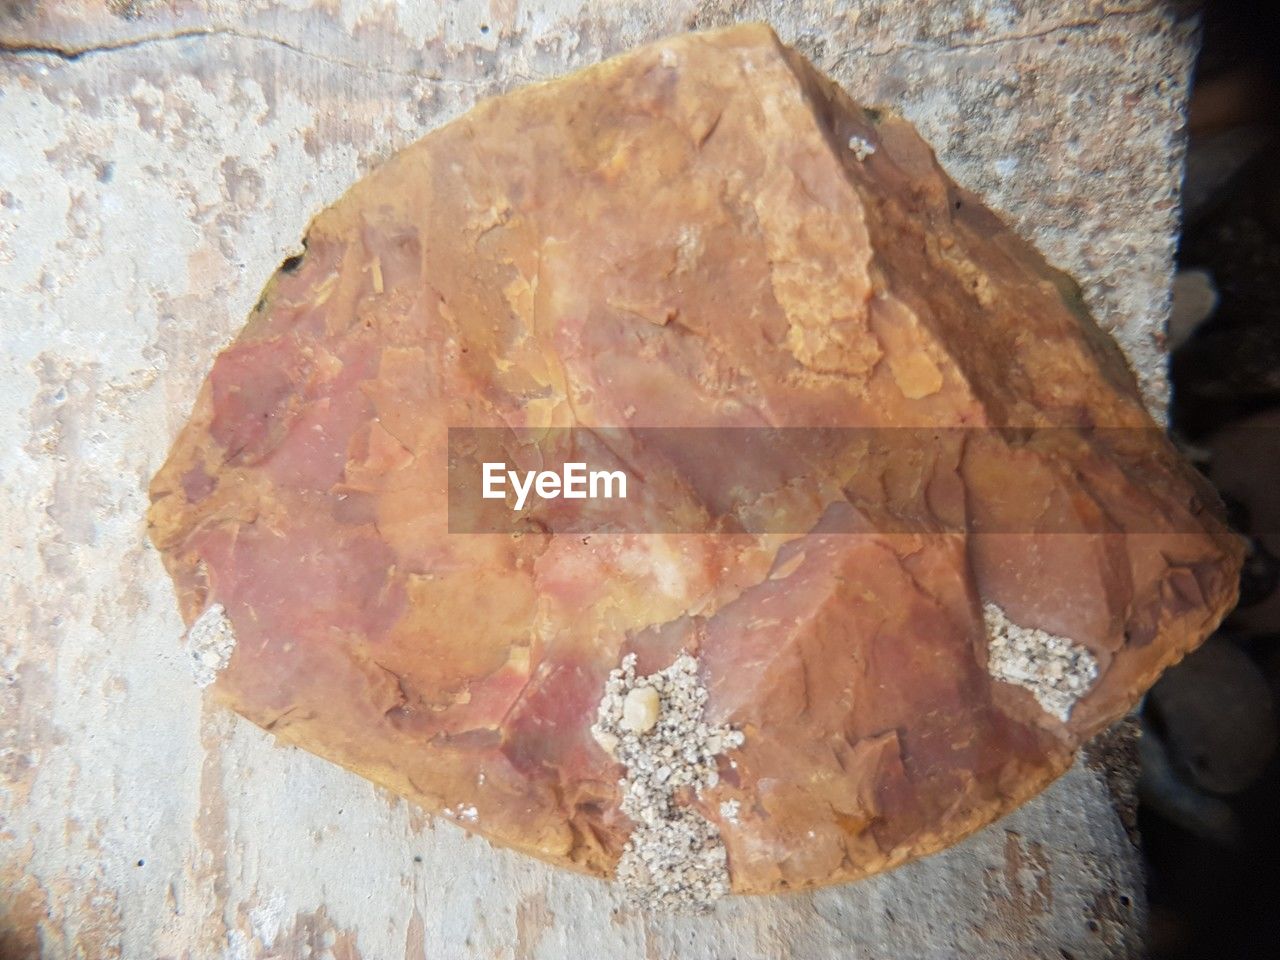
<point>72,53</point>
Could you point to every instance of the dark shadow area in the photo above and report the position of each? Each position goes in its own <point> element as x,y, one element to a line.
<point>1210,789</point>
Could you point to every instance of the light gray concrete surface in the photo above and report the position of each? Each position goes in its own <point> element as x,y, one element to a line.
<point>158,159</point>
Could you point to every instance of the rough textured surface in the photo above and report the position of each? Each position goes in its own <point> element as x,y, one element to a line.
<point>144,183</point>
<point>656,727</point>
<point>1056,670</point>
<point>681,238</point>
<point>210,640</point>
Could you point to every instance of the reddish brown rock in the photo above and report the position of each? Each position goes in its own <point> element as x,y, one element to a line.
<point>703,233</point>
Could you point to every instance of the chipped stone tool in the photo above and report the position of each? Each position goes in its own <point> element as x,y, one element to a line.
<point>704,233</point>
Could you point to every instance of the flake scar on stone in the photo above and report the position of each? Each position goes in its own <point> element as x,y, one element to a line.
<point>1057,671</point>
<point>654,726</point>
<point>210,640</point>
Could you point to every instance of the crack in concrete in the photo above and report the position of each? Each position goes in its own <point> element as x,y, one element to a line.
<point>958,46</point>
<point>71,53</point>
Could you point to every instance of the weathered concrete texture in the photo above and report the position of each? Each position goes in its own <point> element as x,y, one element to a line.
<point>157,161</point>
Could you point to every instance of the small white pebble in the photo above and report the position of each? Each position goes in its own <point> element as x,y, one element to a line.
<point>640,709</point>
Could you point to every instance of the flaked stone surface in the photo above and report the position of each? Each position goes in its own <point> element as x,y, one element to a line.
<point>683,236</point>
<point>1057,671</point>
<point>674,857</point>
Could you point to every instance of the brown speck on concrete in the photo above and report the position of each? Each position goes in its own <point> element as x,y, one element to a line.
<point>28,694</point>
<point>533,918</point>
<point>134,9</point>
<point>315,935</point>
<point>1114,755</point>
<point>1108,917</point>
<point>244,184</point>
<point>1027,875</point>
<point>209,869</point>
<point>415,940</point>
<point>23,910</point>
